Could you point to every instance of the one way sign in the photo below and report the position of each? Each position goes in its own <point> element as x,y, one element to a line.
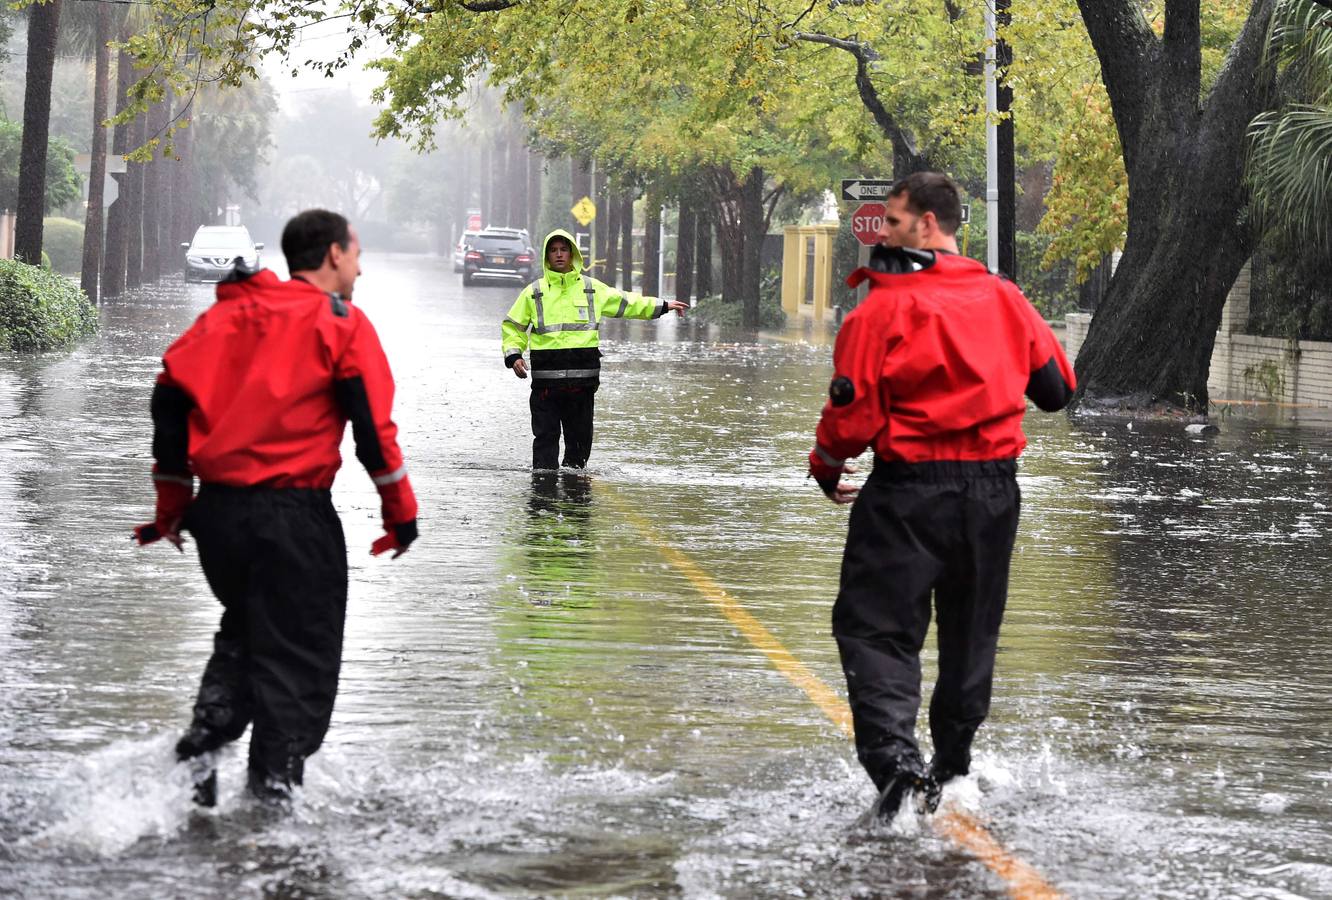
<point>861,189</point>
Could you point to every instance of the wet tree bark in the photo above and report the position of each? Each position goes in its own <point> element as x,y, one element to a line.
<point>498,213</point>
<point>535,164</point>
<point>184,204</point>
<point>730,237</point>
<point>134,178</point>
<point>652,245</point>
<point>627,238</point>
<point>684,252</point>
<point>117,221</point>
<point>703,251</point>
<point>601,224</point>
<point>152,197</point>
<point>517,173</point>
<point>611,253</point>
<point>486,179</point>
<point>43,25</point>
<point>1150,342</point>
<point>93,221</point>
<point>754,225</point>
<point>580,186</point>
<point>168,255</point>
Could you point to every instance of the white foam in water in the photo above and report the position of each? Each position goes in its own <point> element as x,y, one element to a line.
<point>126,791</point>
<point>1273,803</point>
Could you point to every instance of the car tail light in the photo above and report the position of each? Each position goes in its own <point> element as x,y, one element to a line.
<point>473,254</point>
<point>523,258</point>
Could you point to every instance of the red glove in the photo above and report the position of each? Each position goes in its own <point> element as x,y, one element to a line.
<point>398,538</point>
<point>397,501</point>
<point>174,494</point>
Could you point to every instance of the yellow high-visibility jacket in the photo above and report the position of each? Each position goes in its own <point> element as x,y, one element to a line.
<point>557,317</point>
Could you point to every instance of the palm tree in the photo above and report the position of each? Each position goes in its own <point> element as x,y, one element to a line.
<point>1290,163</point>
<point>43,26</point>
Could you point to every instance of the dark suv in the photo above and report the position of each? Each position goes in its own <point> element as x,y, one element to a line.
<point>498,254</point>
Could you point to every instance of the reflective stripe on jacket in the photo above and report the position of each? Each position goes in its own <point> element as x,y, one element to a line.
<point>557,318</point>
<point>259,391</point>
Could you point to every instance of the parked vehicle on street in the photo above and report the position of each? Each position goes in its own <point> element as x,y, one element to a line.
<point>500,255</point>
<point>213,252</point>
<point>460,249</point>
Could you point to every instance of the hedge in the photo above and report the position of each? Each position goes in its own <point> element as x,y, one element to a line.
<point>40,310</point>
<point>62,240</point>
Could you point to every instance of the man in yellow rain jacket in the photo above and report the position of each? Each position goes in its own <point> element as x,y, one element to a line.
<point>562,311</point>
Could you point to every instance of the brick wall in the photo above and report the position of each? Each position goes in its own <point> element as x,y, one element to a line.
<point>1245,366</point>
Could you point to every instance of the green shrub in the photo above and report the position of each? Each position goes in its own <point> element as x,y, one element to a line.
<point>40,310</point>
<point>714,311</point>
<point>62,241</point>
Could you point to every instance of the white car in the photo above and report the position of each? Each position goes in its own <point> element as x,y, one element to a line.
<point>212,254</point>
<point>460,249</point>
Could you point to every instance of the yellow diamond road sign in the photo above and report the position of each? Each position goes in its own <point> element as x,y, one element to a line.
<point>584,210</point>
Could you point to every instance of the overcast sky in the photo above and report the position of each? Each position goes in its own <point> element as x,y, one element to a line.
<point>322,42</point>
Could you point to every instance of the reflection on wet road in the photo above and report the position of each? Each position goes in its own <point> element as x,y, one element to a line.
<point>542,697</point>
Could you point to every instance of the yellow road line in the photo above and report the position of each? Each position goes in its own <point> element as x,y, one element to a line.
<point>1023,880</point>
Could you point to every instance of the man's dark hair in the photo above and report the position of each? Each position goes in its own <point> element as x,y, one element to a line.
<point>307,237</point>
<point>932,192</point>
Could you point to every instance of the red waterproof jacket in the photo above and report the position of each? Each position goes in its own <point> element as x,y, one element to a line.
<point>259,390</point>
<point>934,365</point>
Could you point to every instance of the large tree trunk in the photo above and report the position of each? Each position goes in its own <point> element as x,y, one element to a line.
<point>158,114</point>
<point>652,244</point>
<point>92,223</point>
<point>517,173</point>
<point>601,225</point>
<point>627,239</point>
<point>731,242</point>
<point>535,163</point>
<point>184,204</point>
<point>684,252</point>
<point>134,179</point>
<point>1150,341</point>
<point>43,25</point>
<point>117,221</point>
<point>580,183</point>
<point>487,184</point>
<point>755,225</point>
<point>611,245</point>
<point>703,251</point>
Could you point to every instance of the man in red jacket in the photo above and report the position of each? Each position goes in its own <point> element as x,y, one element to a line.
<point>931,371</point>
<point>253,400</point>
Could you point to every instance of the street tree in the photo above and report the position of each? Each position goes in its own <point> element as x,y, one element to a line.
<point>43,28</point>
<point>1183,143</point>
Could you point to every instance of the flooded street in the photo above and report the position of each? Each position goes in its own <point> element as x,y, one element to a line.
<point>545,696</point>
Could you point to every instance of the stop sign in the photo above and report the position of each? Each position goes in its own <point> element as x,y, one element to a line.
<point>866,222</point>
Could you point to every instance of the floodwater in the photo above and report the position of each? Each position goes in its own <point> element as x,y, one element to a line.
<point>543,699</point>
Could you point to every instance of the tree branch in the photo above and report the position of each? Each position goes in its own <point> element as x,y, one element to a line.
<point>1128,52</point>
<point>485,6</point>
<point>906,158</point>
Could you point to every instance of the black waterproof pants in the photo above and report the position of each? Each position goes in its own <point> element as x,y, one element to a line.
<point>277,561</point>
<point>567,408</point>
<point>944,529</point>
